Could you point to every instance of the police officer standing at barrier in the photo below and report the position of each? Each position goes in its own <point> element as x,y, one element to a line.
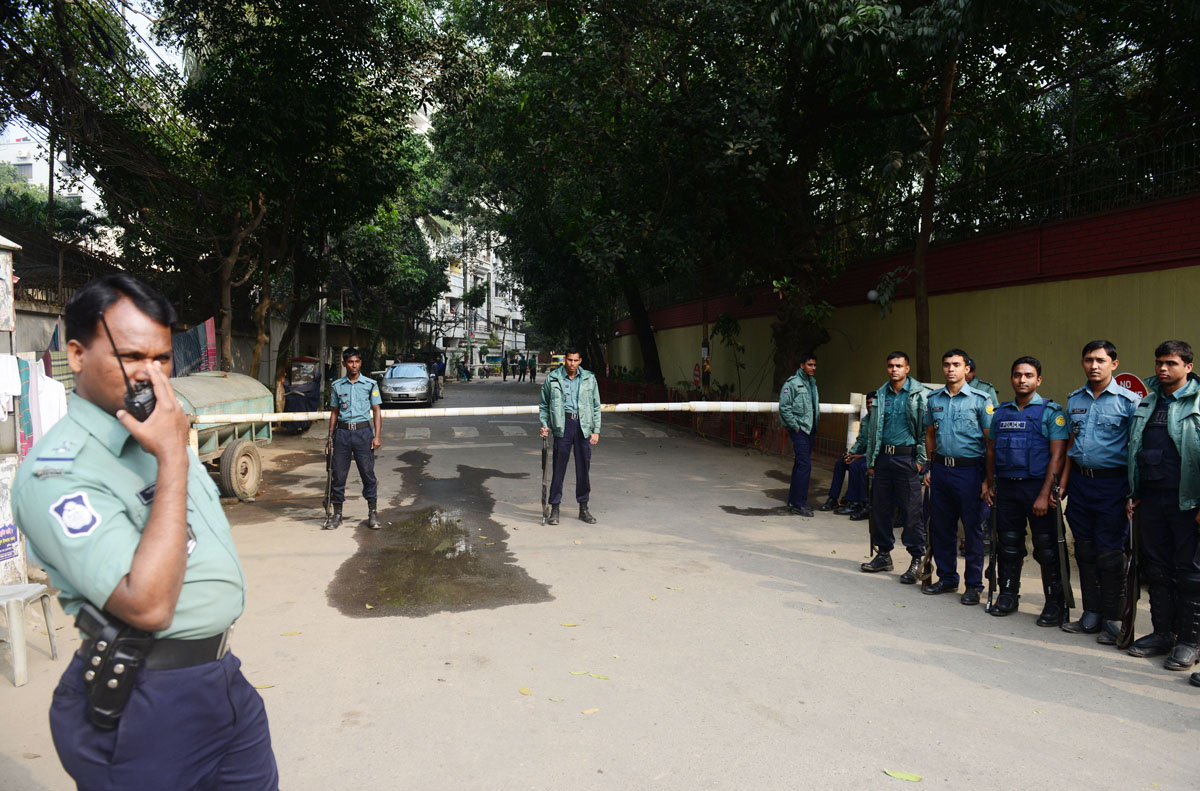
<point>1164,479</point>
<point>1097,487</point>
<point>129,527</point>
<point>895,456</point>
<point>355,426</point>
<point>957,420</point>
<point>570,407</point>
<point>1025,454</point>
<point>799,410</point>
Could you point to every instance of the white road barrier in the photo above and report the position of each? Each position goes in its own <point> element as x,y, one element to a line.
<point>853,409</point>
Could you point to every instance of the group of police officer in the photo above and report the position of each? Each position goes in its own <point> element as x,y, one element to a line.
<point>1111,454</point>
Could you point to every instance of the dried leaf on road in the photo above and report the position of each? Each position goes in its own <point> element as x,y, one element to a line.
<point>263,686</point>
<point>288,634</point>
<point>597,675</point>
<point>578,542</point>
<point>653,598</point>
<point>557,700</point>
<point>589,711</point>
<point>525,691</point>
<point>370,606</point>
<point>898,604</point>
<point>673,589</point>
<point>579,672</point>
<point>909,776</point>
<point>568,624</point>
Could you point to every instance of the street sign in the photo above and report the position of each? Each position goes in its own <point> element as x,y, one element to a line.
<point>696,374</point>
<point>1132,383</point>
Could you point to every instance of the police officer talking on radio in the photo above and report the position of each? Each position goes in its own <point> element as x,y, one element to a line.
<point>128,525</point>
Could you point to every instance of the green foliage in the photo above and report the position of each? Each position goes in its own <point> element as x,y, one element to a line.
<point>475,297</point>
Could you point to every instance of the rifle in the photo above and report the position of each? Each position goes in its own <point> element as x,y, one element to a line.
<point>545,480</point>
<point>926,574</point>
<point>328,476</point>
<point>1064,562</point>
<point>990,546</point>
<point>1133,590</point>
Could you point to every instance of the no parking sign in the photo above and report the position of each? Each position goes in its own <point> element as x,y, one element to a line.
<point>1132,383</point>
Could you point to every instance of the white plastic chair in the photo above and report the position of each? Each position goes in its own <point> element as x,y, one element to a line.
<point>15,599</point>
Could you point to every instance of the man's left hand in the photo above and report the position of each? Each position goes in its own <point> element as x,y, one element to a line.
<point>375,442</point>
<point>594,439</point>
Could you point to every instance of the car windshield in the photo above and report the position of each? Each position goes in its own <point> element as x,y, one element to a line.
<point>407,371</point>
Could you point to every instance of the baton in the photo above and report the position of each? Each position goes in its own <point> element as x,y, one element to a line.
<point>1133,588</point>
<point>1064,560</point>
<point>545,480</point>
<point>328,477</point>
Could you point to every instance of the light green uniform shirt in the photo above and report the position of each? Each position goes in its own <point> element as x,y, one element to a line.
<point>82,498</point>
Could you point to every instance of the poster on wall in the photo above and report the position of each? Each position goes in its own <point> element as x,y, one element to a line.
<point>7,316</point>
<point>8,542</point>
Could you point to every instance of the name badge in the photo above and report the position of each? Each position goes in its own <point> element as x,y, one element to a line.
<point>146,496</point>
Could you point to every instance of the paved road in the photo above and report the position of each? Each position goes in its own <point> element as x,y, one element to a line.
<point>738,647</point>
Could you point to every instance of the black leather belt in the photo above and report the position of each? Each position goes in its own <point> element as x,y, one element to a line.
<point>353,426</point>
<point>1100,472</point>
<point>898,450</point>
<point>951,461</point>
<point>170,654</point>
<point>572,416</point>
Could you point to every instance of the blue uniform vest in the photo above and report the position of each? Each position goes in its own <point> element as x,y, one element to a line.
<point>1022,451</point>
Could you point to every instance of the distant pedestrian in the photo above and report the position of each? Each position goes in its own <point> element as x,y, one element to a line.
<point>570,407</point>
<point>439,370</point>
<point>799,410</point>
<point>533,369</point>
<point>521,368</point>
<point>504,368</point>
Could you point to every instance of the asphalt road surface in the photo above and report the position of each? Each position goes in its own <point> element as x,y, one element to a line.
<point>696,638</point>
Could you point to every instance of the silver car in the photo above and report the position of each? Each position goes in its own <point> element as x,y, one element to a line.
<point>406,383</point>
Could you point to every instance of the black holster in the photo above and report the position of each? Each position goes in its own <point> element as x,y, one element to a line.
<point>114,653</point>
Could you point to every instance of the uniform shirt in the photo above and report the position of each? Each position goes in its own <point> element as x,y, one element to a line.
<point>82,499</point>
<point>354,399</point>
<point>895,416</point>
<point>959,421</point>
<point>571,393</point>
<point>1100,425</point>
<point>1054,423</point>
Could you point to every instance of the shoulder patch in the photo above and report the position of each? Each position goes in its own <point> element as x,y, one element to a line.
<point>374,391</point>
<point>75,514</point>
<point>989,408</point>
<point>1060,420</point>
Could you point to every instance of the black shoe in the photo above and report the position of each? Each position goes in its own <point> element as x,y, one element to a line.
<point>801,510</point>
<point>585,515</point>
<point>372,516</point>
<point>910,577</point>
<point>829,504</point>
<point>861,514</point>
<point>334,520</point>
<point>1109,632</point>
<point>553,520</point>
<point>845,510</point>
<point>1088,623</point>
<point>1153,644</point>
<point>1183,657</point>
<point>942,586</point>
<point>970,596</point>
<point>1194,679</point>
<point>881,562</point>
<point>1053,614</point>
<point>1005,604</point>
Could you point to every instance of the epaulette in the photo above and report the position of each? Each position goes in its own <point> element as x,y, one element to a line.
<point>55,461</point>
<point>1128,394</point>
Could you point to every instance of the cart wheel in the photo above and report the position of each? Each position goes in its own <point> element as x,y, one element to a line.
<point>241,470</point>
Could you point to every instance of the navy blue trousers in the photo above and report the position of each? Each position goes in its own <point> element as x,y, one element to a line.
<point>573,439</point>
<point>202,728</point>
<point>1170,538</point>
<point>856,491</point>
<point>1096,511</point>
<point>954,495</point>
<point>801,469</point>
<point>354,444</point>
<point>1014,508</point>
<point>898,485</point>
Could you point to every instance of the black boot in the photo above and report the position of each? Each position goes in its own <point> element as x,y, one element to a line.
<point>1045,552</point>
<point>1186,651</point>
<point>585,515</point>
<point>1110,568</point>
<point>829,505</point>
<point>1008,576</point>
<point>334,520</point>
<point>553,520</point>
<point>1161,590</point>
<point>1089,586</point>
<point>861,514</point>
<point>881,562</point>
<point>373,515</point>
<point>909,577</point>
<point>844,510</point>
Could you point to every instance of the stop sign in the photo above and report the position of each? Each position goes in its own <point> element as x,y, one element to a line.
<point>696,374</point>
<point>1132,383</point>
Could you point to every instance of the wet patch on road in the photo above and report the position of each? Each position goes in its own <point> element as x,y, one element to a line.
<point>283,492</point>
<point>778,510</point>
<point>443,553</point>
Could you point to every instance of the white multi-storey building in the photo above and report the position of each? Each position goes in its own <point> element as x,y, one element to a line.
<point>462,331</point>
<point>21,150</point>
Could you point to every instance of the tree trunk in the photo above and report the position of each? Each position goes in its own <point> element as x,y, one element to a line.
<point>651,365</point>
<point>928,191</point>
<point>225,314</point>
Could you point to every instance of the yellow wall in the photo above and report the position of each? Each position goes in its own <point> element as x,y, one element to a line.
<point>1051,321</point>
